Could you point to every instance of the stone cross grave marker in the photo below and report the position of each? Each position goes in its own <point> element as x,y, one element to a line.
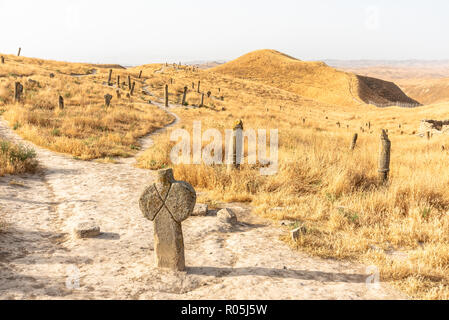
<point>168,203</point>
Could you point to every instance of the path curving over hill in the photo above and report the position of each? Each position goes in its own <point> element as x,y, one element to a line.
<point>40,256</point>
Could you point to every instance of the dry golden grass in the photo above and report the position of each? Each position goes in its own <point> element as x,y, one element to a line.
<point>85,128</point>
<point>16,159</point>
<point>403,228</point>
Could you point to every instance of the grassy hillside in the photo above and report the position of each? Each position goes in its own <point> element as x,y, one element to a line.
<point>85,128</point>
<point>314,80</point>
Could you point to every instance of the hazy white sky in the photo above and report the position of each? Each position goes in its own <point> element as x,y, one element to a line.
<point>138,31</point>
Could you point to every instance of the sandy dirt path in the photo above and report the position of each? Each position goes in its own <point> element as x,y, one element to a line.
<point>40,258</point>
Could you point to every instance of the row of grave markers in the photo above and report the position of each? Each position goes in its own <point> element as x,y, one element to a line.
<point>167,203</point>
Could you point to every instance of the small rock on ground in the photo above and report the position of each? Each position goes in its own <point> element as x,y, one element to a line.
<point>200,210</point>
<point>86,230</point>
<point>227,216</point>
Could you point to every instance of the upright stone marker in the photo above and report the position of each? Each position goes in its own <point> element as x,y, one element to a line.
<point>110,77</point>
<point>107,100</point>
<point>3,60</point>
<point>132,88</point>
<point>18,53</point>
<point>168,203</point>
<point>184,96</point>
<point>18,90</point>
<point>129,83</point>
<point>140,74</point>
<point>118,81</point>
<point>384,157</point>
<point>354,141</point>
<point>237,146</point>
<point>199,85</point>
<point>166,95</point>
<point>61,103</point>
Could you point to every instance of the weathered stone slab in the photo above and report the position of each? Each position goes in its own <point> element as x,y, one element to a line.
<point>168,203</point>
<point>86,230</point>
<point>227,216</point>
<point>200,210</point>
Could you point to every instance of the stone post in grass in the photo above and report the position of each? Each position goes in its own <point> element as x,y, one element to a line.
<point>140,74</point>
<point>184,96</point>
<point>18,53</point>
<point>168,203</point>
<point>237,146</point>
<point>166,95</point>
<point>118,81</point>
<point>107,100</point>
<point>3,59</point>
<point>110,77</point>
<point>18,90</point>
<point>129,83</point>
<point>199,85</point>
<point>354,141</point>
<point>118,94</point>
<point>384,157</point>
<point>61,103</point>
<point>132,88</point>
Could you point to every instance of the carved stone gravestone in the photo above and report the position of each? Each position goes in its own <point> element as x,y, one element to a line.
<point>384,157</point>
<point>110,77</point>
<point>107,100</point>
<point>18,90</point>
<point>168,203</point>
<point>61,103</point>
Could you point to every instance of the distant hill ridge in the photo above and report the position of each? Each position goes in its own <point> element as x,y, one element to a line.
<point>315,80</point>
